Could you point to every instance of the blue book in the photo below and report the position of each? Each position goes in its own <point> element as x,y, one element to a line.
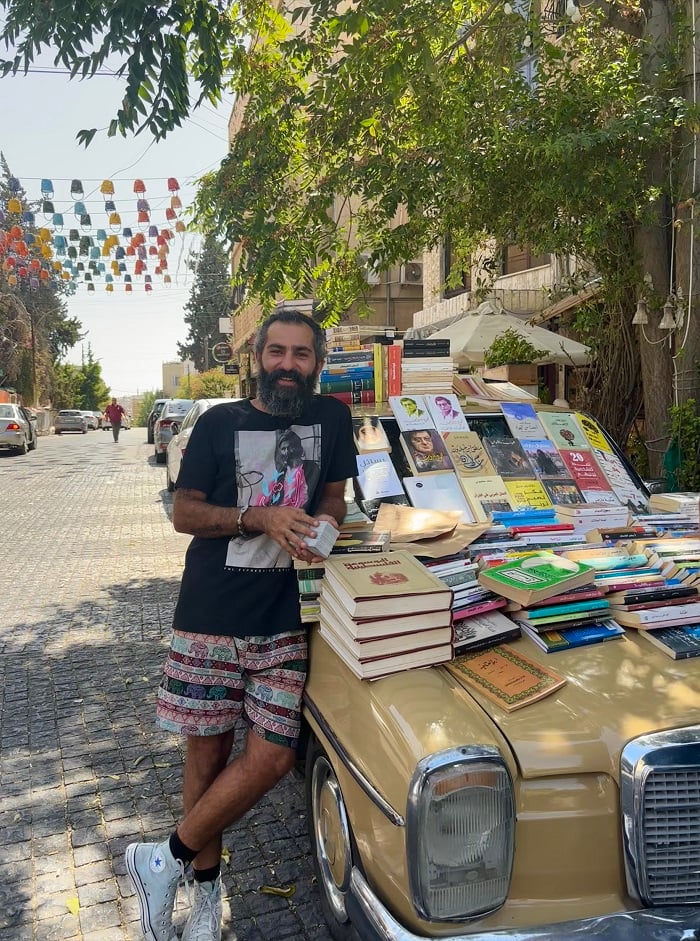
<point>593,604</point>
<point>522,517</point>
<point>362,373</point>
<point>566,639</point>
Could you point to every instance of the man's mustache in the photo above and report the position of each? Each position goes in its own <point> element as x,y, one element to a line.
<point>285,374</point>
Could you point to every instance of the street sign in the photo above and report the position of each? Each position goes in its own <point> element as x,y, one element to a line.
<point>231,369</point>
<point>222,352</point>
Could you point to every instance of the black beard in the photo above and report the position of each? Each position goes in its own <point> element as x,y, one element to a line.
<point>285,401</point>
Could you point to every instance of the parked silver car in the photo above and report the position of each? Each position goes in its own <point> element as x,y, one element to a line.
<point>181,435</point>
<point>174,410</point>
<point>17,428</point>
<point>70,419</point>
<point>91,419</point>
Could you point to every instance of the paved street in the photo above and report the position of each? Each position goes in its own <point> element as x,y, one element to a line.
<point>90,568</point>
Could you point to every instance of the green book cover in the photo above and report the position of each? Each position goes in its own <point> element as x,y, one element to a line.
<point>535,577</point>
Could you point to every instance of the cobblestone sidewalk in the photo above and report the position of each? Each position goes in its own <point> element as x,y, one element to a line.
<point>90,567</point>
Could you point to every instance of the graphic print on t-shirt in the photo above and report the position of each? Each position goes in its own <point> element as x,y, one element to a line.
<point>274,468</point>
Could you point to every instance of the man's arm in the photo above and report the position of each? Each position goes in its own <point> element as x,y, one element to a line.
<point>332,504</point>
<point>287,525</point>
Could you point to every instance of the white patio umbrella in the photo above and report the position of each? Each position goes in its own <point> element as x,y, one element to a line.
<point>472,334</point>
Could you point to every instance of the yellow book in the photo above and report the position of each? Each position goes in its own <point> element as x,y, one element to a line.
<point>527,493</point>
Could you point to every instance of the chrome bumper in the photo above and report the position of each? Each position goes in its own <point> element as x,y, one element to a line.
<point>374,923</point>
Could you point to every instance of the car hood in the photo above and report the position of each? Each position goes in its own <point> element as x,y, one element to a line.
<point>614,692</point>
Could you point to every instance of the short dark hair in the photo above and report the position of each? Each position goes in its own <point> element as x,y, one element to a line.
<point>296,317</point>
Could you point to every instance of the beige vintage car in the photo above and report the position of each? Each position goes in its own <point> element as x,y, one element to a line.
<point>434,814</point>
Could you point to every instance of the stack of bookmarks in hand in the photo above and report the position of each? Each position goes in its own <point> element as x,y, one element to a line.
<point>384,614</point>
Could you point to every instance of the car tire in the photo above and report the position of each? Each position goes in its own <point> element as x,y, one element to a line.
<point>169,483</point>
<point>160,457</point>
<point>84,431</point>
<point>23,448</point>
<point>149,438</point>
<point>333,846</point>
<point>33,443</point>
<point>58,432</point>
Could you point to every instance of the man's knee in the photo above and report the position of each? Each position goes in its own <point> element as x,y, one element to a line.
<point>269,761</point>
<point>209,751</point>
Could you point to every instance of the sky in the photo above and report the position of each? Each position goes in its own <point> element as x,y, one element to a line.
<point>131,335</point>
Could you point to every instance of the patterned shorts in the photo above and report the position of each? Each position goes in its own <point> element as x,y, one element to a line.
<point>210,681</point>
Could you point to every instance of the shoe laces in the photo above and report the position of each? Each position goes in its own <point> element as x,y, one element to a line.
<point>205,917</point>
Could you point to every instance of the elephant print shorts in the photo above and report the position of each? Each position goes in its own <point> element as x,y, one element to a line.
<point>209,682</point>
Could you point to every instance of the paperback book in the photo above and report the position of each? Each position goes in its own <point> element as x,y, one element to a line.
<point>486,495</point>
<point>535,577</point>
<point>522,420</point>
<point>383,645</point>
<point>468,455</point>
<point>678,643</point>
<point>584,470</point>
<point>483,630</point>
<point>410,412</point>
<point>377,477</point>
<point>369,435</point>
<point>505,677</point>
<point>425,451</point>
<point>567,638</point>
<point>446,412</point>
<point>508,457</point>
<point>527,494</point>
<point>438,492</point>
<point>562,491</point>
<point>563,430</point>
<point>372,628</point>
<point>545,459</point>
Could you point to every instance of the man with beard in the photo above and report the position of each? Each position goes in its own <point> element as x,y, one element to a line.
<point>239,649</point>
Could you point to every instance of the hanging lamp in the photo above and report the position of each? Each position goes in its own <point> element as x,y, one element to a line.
<point>28,217</point>
<point>175,202</point>
<point>47,189</point>
<point>107,188</point>
<point>14,206</point>
<point>79,209</point>
<point>173,185</point>
<point>76,189</point>
<point>47,208</point>
<point>57,220</point>
<point>139,186</point>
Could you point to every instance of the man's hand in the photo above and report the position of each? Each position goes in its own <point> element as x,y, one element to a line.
<point>287,526</point>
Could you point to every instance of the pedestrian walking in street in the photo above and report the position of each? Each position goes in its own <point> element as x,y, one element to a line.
<point>239,649</point>
<point>114,413</point>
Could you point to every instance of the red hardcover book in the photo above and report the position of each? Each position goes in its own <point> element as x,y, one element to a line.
<point>394,369</point>
<point>364,397</point>
<point>542,528</point>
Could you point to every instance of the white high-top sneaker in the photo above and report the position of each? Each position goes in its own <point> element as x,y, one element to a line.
<point>204,923</point>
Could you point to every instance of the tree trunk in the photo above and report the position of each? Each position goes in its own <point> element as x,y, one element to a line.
<point>687,249</point>
<point>653,248</point>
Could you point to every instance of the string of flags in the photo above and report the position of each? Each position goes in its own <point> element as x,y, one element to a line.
<point>50,240</point>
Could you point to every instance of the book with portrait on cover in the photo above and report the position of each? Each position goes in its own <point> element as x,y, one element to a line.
<point>390,584</point>
<point>505,676</point>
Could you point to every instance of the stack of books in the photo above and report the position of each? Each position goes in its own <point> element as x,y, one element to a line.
<point>349,375</point>
<point>384,614</point>
<point>426,366</point>
<point>469,598</point>
<point>575,618</point>
<point>474,387</point>
<point>310,575</point>
<point>584,517</point>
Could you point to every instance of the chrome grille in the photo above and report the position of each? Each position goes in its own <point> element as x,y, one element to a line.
<point>660,793</point>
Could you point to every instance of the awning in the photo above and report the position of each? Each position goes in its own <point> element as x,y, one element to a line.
<point>567,303</point>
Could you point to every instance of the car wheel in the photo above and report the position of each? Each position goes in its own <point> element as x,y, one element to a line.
<point>33,443</point>
<point>84,431</point>
<point>332,843</point>
<point>22,449</point>
<point>160,457</point>
<point>58,432</point>
<point>149,438</point>
<point>168,480</point>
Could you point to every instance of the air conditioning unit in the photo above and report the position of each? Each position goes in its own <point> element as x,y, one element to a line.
<point>411,273</point>
<point>372,274</point>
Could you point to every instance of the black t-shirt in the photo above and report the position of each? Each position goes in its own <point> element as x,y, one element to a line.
<point>240,456</point>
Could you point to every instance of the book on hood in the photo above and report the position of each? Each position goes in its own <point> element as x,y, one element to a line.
<point>508,457</point>
<point>438,492</point>
<point>567,638</point>
<point>486,495</point>
<point>522,420</point>
<point>385,584</point>
<point>563,430</point>
<point>468,454</point>
<point>372,628</point>
<point>369,435</point>
<point>505,676</point>
<point>377,477</point>
<point>410,412</point>
<point>665,616</point>
<point>678,643</point>
<point>425,451</point>
<point>446,412</point>
<point>535,577</point>
<point>482,630</point>
<point>380,667</point>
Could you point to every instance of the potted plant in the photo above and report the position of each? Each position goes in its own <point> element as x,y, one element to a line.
<point>512,357</point>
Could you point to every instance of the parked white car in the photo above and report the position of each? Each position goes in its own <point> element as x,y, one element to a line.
<point>181,435</point>
<point>17,428</point>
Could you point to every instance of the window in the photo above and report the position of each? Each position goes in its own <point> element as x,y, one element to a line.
<point>516,258</point>
<point>463,280</point>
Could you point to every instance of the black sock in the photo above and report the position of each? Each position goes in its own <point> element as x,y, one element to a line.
<point>207,875</point>
<point>180,851</point>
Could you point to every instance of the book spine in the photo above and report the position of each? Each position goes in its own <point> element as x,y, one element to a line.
<point>350,356</point>
<point>362,370</point>
<point>331,386</point>
<point>379,389</point>
<point>358,397</point>
<point>394,369</point>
